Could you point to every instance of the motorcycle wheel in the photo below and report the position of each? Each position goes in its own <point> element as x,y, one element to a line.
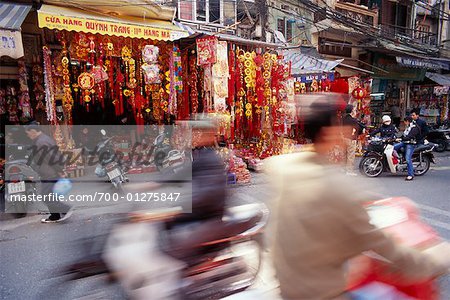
<point>421,167</point>
<point>441,145</point>
<point>371,166</point>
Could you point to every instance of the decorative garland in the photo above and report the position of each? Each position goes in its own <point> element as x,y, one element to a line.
<point>24,95</point>
<point>67,98</point>
<point>193,83</point>
<point>49,86</point>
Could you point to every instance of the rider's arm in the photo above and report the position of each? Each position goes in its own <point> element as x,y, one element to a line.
<point>373,133</point>
<point>410,265</point>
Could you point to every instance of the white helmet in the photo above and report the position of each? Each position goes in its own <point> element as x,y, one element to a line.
<point>386,119</point>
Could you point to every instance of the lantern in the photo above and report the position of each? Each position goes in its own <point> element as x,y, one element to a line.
<point>359,93</point>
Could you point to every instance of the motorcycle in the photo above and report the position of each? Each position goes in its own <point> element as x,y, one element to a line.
<point>19,179</point>
<point>399,218</point>
<point>145,256</point>
<point>167,160</point>
<point>108,166</point>
<point>379,157</point>
<point>440,137</point>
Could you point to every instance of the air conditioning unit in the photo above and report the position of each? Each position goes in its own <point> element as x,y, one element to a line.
<point>285,7</point>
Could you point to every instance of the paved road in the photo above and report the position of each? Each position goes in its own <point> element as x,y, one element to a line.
<point>32,252</point>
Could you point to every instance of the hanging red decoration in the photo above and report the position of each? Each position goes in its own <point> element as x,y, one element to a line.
<point>340,86</point>
<point>359,93</point>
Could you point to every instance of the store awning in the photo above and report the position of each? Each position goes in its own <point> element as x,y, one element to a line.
<point>71,19</point>
<point>440,79</point>
<point>13,15</point>
<point>11,19</point>
<point>305,64</point>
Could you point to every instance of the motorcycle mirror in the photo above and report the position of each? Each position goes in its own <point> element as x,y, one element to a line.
<point>103,132</point>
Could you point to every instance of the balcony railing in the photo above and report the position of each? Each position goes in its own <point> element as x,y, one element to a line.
<point>358,11</point>
<point>409,35</point>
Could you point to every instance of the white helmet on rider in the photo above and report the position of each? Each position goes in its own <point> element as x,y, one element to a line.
<point>386,119</point>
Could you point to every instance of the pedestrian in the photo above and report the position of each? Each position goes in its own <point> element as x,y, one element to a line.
<point>387,129</point>
<point>409,141</point>
<point>396,115</point>
<point>320,222</point>
<point>49,165</point>
<point>423,127</point>
<point>352,129</point>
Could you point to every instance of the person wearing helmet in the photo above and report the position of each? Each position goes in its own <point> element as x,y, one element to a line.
<point>387,129</point>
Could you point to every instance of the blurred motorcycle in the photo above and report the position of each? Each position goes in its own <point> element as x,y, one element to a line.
<point>368,274</point>
<point>151,261</point>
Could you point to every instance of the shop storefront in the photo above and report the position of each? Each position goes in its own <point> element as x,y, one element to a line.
<point>391,85</point>
<point>14,91</point>
<point>431,98</point>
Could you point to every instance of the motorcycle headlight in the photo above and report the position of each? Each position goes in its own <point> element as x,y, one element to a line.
<point>447,136</point>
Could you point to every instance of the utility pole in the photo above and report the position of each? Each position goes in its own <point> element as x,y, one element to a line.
<point>263,17</point>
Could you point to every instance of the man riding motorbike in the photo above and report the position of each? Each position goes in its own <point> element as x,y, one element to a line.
<point>409,141</point>
<point>387,129</point>
<point>320,222</point>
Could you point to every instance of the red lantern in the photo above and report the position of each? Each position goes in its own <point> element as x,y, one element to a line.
<point>359,93</point>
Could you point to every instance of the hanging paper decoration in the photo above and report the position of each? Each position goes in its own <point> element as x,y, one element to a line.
<point>220,74</point>
<point>24,96</point>
<point>206,50</point>
<point>151,73</point>
<point>176,83</point>
<point>49,86</point>
<point>150,54</point>
<point>2,102</point>
<point>86,82</point>
<point>232,79</point>
<point>67,98</point>
<point>193,78</point>
<point>177,79</point>
<point>38,89</point>
<point>359,93</point>
<point>150,67</point>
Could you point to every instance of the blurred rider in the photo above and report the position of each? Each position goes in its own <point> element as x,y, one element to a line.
<point>410,137</point>
<point>320,222</point>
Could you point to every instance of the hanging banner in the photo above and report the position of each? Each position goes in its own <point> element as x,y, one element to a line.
<point>220,74</point>
<point>206,50</point>
<point>11,44</point>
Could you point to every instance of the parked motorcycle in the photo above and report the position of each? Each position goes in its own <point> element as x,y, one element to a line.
<point>380,157</point>
<point>20,179</point>
<point>108,165</point>
<point>167,160</point>
<point>145,257</point>
<point>440,137</point>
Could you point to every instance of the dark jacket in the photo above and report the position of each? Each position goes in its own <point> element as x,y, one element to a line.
<point>353,127</point>
<point>208,186</point>
<point>386,131</point>
<point>424,130</point>
<point>46,157</point>
<point>412,136</point>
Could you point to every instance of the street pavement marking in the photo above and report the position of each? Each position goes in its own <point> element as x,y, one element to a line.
<point>434,210</point>
<point>440,168</point>
<point>436,223</point>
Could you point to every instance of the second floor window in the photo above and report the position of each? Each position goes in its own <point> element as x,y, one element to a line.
<point>221,12</point>
<point>286,27</point>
